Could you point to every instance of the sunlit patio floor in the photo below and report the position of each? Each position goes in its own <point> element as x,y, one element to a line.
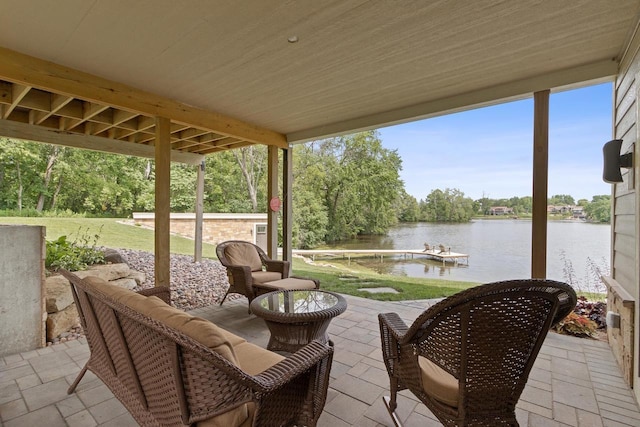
<point>575,382</point>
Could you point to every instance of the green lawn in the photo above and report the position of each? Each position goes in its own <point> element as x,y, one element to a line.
<point>112,233</point>
<point>343,279</point>
<point>348,280</point>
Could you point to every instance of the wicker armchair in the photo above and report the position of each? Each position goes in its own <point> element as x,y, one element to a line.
<point>468,357</point>
<point>248,265</point>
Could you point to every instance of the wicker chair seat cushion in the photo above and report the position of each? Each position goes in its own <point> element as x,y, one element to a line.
<point>225,421</point>
<point>243,254</point>
<point>254,360</point>
<point>438,383</point>
<point>289,284</point>
<point>260,277</point>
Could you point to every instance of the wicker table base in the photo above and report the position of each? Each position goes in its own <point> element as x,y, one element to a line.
<point>295,318</point>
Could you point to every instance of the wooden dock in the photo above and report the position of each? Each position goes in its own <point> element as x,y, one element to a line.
<point>444,256</point>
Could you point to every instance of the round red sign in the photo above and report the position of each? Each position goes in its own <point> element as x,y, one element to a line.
<point>275,204</point>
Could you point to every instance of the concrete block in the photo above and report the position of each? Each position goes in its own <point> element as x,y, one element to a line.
<point>22,312</point>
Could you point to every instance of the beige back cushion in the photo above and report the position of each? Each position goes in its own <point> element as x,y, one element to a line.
<point>243,254</point>
<point>197,328</point>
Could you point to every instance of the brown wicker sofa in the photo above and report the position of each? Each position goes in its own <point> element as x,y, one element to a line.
<point>170,368</point>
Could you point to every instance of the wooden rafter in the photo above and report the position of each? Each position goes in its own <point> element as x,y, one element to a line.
<point>78,101</point>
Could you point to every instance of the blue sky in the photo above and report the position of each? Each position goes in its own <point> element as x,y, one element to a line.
<point>489,151</point>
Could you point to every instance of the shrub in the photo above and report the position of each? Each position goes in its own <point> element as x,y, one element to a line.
<point>594,310</point>
<point>577,325</point>
<point>73,255</point>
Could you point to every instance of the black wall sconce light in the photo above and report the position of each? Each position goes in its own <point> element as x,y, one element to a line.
<point>613,161</point>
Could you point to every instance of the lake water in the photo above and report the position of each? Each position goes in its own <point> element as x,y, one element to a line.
<point>497,249</point>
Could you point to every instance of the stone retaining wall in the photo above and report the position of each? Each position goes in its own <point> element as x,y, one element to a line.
<point>62,314</point>
<point>216,227</point>
<point>621,340</point>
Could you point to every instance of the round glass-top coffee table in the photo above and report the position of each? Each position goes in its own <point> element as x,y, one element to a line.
<point>295,318</point>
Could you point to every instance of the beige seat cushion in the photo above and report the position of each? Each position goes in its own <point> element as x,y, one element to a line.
<point>260,277</point>
<point>253,359</point>
<point>438,383</point>
<point>243,254</point>
<point>290,283</point>
<point>225,421</point>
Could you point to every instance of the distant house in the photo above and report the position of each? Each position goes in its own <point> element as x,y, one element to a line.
<point>500,210</point>
<point>559,209</point>
<point>578,212</point>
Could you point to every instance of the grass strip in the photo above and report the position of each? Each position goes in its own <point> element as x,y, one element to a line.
<point>350,280</point>
<point>112,232</point>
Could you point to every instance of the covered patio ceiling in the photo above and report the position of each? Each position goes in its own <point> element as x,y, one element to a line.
<point>227,75</point>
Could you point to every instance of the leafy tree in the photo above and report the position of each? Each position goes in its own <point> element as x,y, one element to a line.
<point>19,174</point>
<point>561,199</point>
<point>408,209</point>
<point>483,205</point>
<point>252,162</point>
<point>183,187</point>
<point>447,206</point>
<point>599,209</point>
<point>310,216</point>
<point>226,188</point>
<point>362,185</point>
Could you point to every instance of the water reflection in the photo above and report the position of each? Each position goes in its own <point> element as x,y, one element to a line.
<point>498,249</point>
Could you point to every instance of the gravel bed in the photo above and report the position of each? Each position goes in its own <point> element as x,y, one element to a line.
<point>193,284</point>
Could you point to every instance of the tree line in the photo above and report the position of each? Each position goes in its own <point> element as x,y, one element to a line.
<point>343,187</point>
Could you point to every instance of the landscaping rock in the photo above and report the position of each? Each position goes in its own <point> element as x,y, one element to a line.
<point>62,321</point>
<point>125,283</point>
<point>112,256</point>
<point>106,272</point>
<point>138,276</point>
<point>58,294</point>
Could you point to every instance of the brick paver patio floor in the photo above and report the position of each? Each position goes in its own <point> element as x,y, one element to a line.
<point>575,382</point>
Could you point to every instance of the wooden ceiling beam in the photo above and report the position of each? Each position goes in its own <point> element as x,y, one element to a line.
<point>120,117</point>
<point>210,137</point>
<point>109,119</point>
<point>145,122</point>
<point>36,99</point>
<point>57,102</point>
<point>28,132</point>
<point>71,110</point>
<point>192,133</point>
<point>18,92</point>
<point>89,110</point>
<point>233,146</point>
<point>175,127</point>
<point>188,143</point>
<point>5,93</point>
<point>30,71</point>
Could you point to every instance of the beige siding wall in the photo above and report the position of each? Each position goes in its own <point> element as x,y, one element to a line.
<point>623,289</point>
